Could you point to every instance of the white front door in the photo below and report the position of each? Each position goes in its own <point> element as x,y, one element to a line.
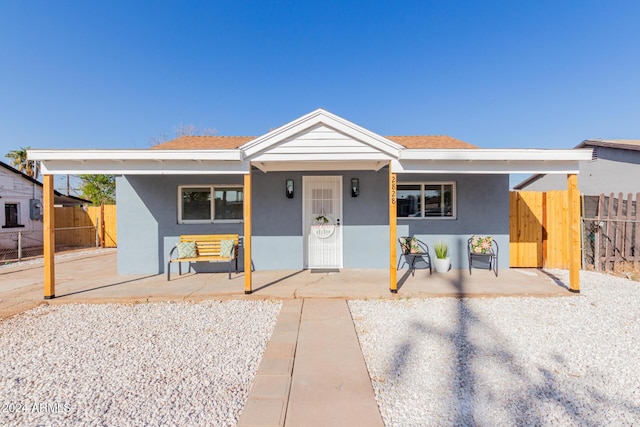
<point>322,212</point>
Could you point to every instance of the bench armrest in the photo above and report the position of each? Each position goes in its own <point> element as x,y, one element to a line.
<point>175,248</point>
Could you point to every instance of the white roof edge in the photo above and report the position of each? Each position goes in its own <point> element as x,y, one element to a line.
<point>135,154</point>
<point>496,154</point>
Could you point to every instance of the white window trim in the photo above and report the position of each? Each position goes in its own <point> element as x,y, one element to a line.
<point>454,204</point>
<point>212,188</point>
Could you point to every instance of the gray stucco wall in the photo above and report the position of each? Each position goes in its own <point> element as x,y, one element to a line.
<point>613,171</point>
<point>482,209</point>
<point>148,221</point>
<point>148,224</point>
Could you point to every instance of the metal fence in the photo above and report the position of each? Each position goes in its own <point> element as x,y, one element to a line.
<point>16,246</point>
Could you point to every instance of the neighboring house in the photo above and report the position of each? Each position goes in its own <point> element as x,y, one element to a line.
<point>319,192</point>
<point>21,207</point>
<point>614,168</point>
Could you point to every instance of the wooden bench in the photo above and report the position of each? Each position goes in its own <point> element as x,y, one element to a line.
<point>207,250</point>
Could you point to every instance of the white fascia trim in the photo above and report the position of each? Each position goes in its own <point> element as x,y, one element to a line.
<point>143,167</point>
<point>320,116</point>
<point>486,166</point>
<point>119,155</point>
<point>496,154</point>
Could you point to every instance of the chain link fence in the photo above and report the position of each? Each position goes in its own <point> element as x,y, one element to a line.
<point>16,246</point>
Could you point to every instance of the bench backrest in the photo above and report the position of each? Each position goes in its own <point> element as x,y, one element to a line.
<point>209,244</point>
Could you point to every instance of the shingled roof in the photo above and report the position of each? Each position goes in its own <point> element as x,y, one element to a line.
<point>230,142</point>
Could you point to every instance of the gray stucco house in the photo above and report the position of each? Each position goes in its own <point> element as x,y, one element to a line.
<point>613,168</point>
<point>319,192</point>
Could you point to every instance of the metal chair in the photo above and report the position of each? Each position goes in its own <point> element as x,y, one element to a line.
<point>409,257</point>
<point>490,253</point>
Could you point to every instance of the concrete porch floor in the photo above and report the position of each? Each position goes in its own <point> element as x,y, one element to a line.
<point>93,278</point>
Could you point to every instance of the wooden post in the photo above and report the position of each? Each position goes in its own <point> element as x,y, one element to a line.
<point>101,224</point>
<point>393,283</point>
<point>636,262</point>
<point>608,256</point>
<point>544,254</point>
<point>247,233</point>
<point>49,239</point>
<point>597,256</point>
<point>574,233</point>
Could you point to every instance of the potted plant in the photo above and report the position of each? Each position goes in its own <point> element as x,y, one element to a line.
<point>443,261</point>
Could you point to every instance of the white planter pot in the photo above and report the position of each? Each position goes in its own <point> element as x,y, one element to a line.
<point>442,264</point>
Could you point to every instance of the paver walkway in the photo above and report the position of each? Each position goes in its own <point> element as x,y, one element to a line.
<point>330,384</point>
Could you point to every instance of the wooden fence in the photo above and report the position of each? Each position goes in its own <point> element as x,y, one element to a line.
<point>76,226</point>
<point>539,224</point>
<point>538,229</point>
<point>612,232</point>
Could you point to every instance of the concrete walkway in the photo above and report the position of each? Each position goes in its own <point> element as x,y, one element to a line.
<point>329,384</point>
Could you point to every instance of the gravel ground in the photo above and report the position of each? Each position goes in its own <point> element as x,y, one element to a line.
<point>507,361</point>
<point>145,364</point>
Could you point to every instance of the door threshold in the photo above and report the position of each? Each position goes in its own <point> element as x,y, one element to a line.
<point>324,270</point>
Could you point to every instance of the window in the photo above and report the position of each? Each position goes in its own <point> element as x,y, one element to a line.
<point>204,204</point>
<point>228,203</point>
<point>12,215</point>
<point>427,200</point>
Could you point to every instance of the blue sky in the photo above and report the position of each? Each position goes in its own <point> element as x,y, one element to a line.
<point>109,74</point>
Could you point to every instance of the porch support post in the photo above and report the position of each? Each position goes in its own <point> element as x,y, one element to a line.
<point>393,284</point>
<point>48,240</point>
<point>247,233</point>
<point>574,233</point>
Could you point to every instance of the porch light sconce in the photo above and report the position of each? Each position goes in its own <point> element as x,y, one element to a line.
<point>289,188</point>
<point>355,187</point>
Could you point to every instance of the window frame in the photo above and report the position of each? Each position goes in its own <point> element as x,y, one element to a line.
<point>18,224</point>
<point>212,188</point>
<point>422,184</point>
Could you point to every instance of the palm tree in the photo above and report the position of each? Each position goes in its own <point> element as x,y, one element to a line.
<point>20,161</point>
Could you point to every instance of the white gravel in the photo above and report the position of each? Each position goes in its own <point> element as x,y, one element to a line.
<point>507,361</point>
<point>145,364</point>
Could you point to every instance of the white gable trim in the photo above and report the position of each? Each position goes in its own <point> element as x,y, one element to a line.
<point>387,148</point>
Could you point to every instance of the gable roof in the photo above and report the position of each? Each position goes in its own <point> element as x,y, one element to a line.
<point>318,141</point>
<point>623,144</point>
<point>58,198</point>
<point>190,142</point>
<point>620,144</point>
<point>430,141</point>
<point>231,142</point>
<point>17,172</point>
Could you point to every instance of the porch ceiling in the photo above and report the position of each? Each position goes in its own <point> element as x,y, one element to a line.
<point>212,162</point>
<point>140,162</point>
<point>490,161</point>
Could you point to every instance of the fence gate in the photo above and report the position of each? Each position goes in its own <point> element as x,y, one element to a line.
<point>525,228</point>
<point>538,227</point>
